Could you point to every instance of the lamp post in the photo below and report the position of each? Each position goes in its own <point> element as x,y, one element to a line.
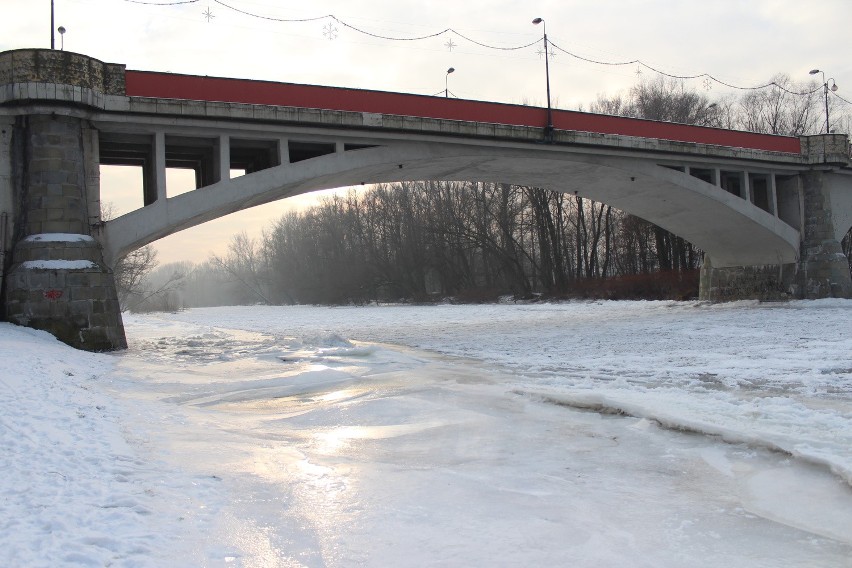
<point>548,131</point>
<point>825,92</point>
<point>447,82</point>
<point>52,36</point>
<point>61,31</point>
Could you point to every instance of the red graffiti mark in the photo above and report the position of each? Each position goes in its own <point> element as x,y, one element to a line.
<point>53,294</point>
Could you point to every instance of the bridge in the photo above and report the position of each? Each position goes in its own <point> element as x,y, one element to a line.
<point>768,211</point>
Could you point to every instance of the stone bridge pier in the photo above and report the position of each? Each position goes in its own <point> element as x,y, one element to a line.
<point>55,278</point>
<point>823,216</point>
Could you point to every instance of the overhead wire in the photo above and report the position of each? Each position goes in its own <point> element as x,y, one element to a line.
<point>175,3</point>
<point>684,77</point>
<point>445,31</point>
<point>841,98</point>
<point>270,18</point>
<point>373,34</point>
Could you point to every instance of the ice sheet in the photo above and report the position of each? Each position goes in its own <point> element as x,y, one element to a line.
<point>585,434</point>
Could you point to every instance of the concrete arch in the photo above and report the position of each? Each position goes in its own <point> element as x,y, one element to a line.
<point>731,230</point>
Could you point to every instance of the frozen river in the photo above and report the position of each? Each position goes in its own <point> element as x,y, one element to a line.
<point>654,434</point>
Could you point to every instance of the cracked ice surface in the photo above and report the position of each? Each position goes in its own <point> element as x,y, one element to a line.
<point>581,434</point>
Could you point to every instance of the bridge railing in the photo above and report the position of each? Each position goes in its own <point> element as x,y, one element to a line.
<point>218,89</point>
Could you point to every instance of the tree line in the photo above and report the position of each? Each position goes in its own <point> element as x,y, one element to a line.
<point>427,240</point>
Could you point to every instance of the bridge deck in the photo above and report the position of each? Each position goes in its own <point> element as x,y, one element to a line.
<point>190,87</point>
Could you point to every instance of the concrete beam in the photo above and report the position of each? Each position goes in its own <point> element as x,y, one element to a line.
<point>160,167</point>
<point>222,165</point>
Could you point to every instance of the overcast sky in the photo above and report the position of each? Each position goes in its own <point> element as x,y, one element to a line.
<point>740,42</point>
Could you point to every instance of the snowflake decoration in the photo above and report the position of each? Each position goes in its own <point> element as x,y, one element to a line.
<point>551,53</point>
<point>638,71</point>
<point>330,31</point>
<point>450,45</point>
<point>208,14</point>
<point>708,84</point>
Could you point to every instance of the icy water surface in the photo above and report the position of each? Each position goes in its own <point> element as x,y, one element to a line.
<point>777,374</point>
<point>333,448</point>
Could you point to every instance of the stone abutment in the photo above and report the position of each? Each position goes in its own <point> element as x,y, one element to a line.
<point>55,278</point>
<point>822,270</point>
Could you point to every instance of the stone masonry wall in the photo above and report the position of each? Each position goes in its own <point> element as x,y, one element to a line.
<point>823,268</point>
<point>54,200</point>
<point>61,67</point>
<point>770,283</point>
<point>58,281</point>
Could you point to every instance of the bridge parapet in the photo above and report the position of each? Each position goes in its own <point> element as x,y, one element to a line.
<point>830,149</point>
<point>46,74</point>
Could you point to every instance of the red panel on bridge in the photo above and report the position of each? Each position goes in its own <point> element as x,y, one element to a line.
<point>191,87</point>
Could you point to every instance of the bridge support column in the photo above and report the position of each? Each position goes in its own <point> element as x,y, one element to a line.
<point>822,270</point>
<point>57,280</point>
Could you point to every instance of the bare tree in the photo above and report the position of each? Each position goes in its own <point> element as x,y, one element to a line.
<point>130,272</point>
<point>245,264</point>
<point>669,100</point>
<point>162,288</point>
<point>789,108</point>
<point>666,100</point>
<point>131,269</point>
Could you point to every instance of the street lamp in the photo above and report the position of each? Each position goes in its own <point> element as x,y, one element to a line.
<point>52,40</point>
<point>61,31</point>
<point>548,131</point>
<point>825,91</point>
<point>447,82</point>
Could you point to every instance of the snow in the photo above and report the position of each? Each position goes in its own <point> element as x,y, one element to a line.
<point>58,264</point>
<point>75,488</point>
<point>659,434</point>
<point>59,238</point>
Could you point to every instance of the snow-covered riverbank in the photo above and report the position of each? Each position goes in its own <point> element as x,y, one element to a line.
<point>436,435</point>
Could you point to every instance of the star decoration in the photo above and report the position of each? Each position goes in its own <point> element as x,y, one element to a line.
<point>551,53</point>
<point>208,14</point>
<point>450,45</point>
<point>638,71</point>
<point>330,31</point>
<point>708,84</point>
